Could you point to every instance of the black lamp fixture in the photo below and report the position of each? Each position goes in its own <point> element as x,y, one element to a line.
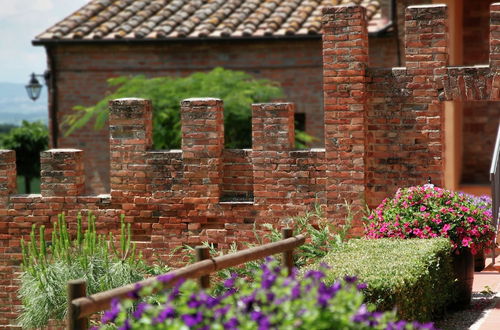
<point>34,87</point>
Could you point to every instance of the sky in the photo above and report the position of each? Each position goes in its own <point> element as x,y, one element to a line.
<point>20,22</point>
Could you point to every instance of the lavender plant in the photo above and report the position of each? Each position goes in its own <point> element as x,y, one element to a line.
<point>272,301</point>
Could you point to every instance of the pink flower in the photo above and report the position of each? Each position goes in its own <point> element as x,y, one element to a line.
<point>466,241</point>
<point>446,227</point>
<point>437,220</point>
<point>470,219</point>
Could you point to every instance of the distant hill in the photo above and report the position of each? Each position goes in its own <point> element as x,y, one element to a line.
<point>15,106</point>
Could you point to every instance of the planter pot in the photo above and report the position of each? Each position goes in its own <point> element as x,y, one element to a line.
<point>463,267</point>
<point>479,261</point>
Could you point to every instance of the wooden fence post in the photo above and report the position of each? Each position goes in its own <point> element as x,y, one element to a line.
<point>76,289</point>
<point>287,255</point>
<point>203,253</point>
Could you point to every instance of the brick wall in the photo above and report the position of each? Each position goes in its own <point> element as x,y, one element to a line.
<point>383,130</point>
<point>480,122</point>
<point>81,73</point>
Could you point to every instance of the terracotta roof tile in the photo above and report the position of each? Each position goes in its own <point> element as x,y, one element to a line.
<point>165,19</point>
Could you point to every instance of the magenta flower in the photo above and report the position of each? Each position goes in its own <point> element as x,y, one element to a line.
<point>437,212</point>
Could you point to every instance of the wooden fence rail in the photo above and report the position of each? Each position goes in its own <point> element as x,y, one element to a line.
<point>80,307</point>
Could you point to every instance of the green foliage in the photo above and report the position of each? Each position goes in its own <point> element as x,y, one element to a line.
<point>272,301</point>
<point>5,128</point>
<point>103,262</point>
<point>28,141</point>
<point>323,236</point>
<point>237,89</point>
<point>413,276</point>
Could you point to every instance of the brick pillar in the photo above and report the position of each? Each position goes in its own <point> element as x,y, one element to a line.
<point>273,136</point>
<point>131,125</point>
<point>345,58</point>
<point>426,56</point>
<point>202,145</point>
<point>62,173</point>
<point>7,175</point>
<point>495,49</point>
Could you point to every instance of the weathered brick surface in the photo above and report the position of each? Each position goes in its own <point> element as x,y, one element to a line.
<point>62,172</point>
<point>479,130</point>
<point>383,130</point>
<point>82,70</point>
<point>7,175</point>
<point>345,59</point>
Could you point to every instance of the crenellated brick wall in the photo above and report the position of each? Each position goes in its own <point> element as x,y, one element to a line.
<point>383,130</point>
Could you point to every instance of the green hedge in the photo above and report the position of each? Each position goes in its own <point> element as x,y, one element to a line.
<point>413,276</point>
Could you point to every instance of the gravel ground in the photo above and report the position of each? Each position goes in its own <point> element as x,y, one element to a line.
<point>464,319</point>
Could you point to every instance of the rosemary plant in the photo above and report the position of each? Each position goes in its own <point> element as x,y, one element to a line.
<point>101,260</point>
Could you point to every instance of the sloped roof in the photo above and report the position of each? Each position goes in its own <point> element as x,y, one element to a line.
<point>174,19</point>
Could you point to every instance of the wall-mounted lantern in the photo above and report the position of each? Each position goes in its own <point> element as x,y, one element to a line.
<point>34,88</point>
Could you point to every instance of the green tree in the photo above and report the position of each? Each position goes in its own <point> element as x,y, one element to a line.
<point>238,90</point>
<point>5,128</point>
<point>28,141</point>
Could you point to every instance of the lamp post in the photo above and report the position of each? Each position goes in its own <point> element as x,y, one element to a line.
<point>34,87</point>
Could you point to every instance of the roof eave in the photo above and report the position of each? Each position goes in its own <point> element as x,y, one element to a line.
<point>42,42</point>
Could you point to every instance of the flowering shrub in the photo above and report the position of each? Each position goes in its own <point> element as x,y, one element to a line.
<point>273,301</point>
<point>428,211</point>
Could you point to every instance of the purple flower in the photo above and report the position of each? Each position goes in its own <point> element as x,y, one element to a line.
<point>296,291</point>
<point>362,286</point>
<point>167,313</point>
<point>361,315</point>
<point>221,311</point>
<point>135,294</point>
<point>165,278</point>
<point>268,279</point>
<point>256,315</point>
<point>126,325</point>
<point>229,283</point>
<point>248,301</point>
<point>140,310</point>
<point>175,290</point>
<point>194,302</point>
<point>192,319</point>
<point>315,274</point>
<point>261,319</point>
<point>350,279</point>
<point>399,325</point>
<point>232,324</point>
<point>111,314</point>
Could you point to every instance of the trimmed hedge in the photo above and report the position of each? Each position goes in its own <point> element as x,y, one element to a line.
<point>413,276</point>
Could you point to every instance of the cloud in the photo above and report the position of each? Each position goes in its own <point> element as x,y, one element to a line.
<point>20,22</point>
<point>43,5</point>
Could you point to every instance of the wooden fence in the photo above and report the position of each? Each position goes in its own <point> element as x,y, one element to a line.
<point>80,307</point>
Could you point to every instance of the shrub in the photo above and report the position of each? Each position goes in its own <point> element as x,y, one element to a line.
<point>413,276</point>
<point>273,301</point>
<point>428,211</point>
<point>28,141</point>
<point>47,267</point>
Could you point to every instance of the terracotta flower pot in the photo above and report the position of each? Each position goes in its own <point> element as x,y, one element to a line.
<point>463,267</point>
